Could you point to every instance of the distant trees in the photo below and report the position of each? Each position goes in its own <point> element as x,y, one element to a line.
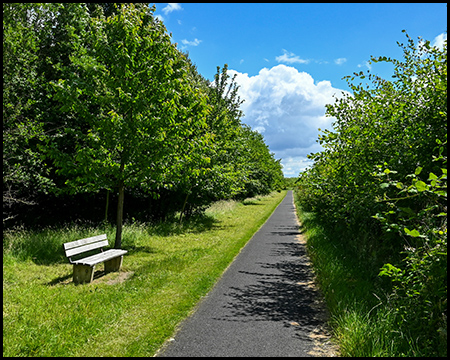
<point>382,179</point>
<point>98,99</point>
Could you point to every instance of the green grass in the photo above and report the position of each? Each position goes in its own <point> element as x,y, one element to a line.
<point>169,267</point>
<point>362,320</point>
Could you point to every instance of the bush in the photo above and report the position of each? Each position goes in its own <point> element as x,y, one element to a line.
<point>378,187</point>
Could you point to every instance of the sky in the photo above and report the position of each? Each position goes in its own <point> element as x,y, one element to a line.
<point>290,58</point>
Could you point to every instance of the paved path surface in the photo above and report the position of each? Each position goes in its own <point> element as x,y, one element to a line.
<point>264,304</point>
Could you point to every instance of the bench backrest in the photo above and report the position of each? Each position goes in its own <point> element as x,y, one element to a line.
<point>80,246</point>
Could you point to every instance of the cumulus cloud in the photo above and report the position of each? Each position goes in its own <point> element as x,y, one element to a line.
<point>439,41</point>
<point>287,107</point>
<point>292,166</point>
<point>290,58</point>
<point>171,7</point>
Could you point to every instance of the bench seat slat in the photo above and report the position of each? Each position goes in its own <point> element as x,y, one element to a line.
<point>85,248</point>
<point>77,243</point>
<point>101,257</point>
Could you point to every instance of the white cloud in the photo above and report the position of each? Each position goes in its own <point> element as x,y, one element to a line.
<point>287,107</point>
<point>290,58</point>
<point>340,61</point>
<point>196,42</point>
<point>366,64</point>
<point>293,165</point>
<point>171,7</point>
<point>439,41</point>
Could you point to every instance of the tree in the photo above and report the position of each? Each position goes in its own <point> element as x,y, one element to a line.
<point>397,122</point>
<point>130,85</point>
<point>222,178</point>
<point>25,173</point>
<point>225,124</point>
<point>381,183</point>
<point>263,172</point>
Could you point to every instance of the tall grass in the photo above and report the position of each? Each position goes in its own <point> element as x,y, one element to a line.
<point>168,268</point>
<point>362,320</point>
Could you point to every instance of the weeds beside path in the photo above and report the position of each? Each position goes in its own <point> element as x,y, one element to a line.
<point>169,267</point>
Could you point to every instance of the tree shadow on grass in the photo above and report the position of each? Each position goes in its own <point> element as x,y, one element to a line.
<point>195,224</point>
<point>251,202</point>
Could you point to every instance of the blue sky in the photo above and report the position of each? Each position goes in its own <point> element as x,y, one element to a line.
<point>290,57</point>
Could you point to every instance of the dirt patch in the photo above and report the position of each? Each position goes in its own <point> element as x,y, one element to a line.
<point>111,278</point>
<point>120,278</point>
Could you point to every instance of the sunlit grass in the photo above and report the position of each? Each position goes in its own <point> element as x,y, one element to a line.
<point>168,268</point>
<point>362,323</point>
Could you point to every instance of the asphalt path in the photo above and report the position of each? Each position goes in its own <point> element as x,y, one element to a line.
<point>265,303</point>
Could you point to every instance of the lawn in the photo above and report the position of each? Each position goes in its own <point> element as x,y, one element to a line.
<point>168,269</point>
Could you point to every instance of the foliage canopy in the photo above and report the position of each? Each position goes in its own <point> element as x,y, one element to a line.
<point>97,99</point>
<point>382,181</point>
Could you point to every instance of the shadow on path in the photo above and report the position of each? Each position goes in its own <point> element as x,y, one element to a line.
<point>284,293</point>
<point>265,304</point>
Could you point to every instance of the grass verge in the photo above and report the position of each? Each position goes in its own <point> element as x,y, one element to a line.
<point>167,270</point>
<point>362,320</point>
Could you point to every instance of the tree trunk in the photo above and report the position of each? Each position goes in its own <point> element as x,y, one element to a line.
<point>107,206</point>
<point>118,242</point>
<point>184,206</point>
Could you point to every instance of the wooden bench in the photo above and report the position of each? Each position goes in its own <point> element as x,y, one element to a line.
<point>83,269</point>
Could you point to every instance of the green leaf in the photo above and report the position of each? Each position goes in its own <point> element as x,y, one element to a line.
<point>413,233</point>
<point>418,170</point>
<point>389,270</point>
<point>420,186</point>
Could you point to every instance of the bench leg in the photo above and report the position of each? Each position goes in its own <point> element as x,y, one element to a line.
<point>83,273</point>
<point>113,264</point>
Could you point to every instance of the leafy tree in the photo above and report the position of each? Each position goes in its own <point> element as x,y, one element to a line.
<point>396,122</point>
<point>222,177</point>
<point>419,294</point>
<point>263,172</point>
<point>130,86</point>
<point>225,124</point>
<point>391,131</point>
<point>240,162</point>
<point>24,171</point>
<point>96,97</point>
